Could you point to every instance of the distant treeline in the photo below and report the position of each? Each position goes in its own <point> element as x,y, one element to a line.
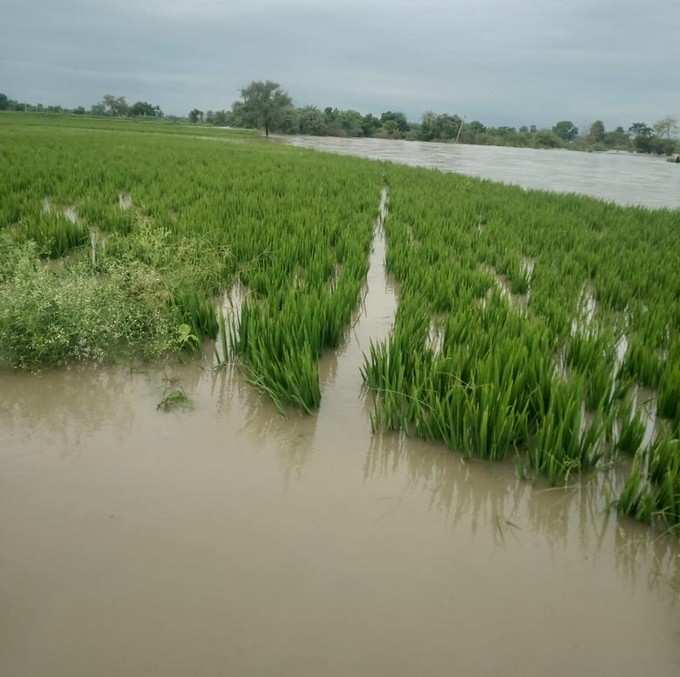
<point>443,127</point>
<point>116,106</point>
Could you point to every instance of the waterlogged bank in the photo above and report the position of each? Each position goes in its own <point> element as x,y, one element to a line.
<point>226,539</point>
<point>623,178</point>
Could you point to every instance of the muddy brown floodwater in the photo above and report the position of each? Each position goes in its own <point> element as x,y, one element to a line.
<point>229,540</point>
<point>625,178</point>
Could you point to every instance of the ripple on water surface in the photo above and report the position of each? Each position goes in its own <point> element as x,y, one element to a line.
<point>625,178</point>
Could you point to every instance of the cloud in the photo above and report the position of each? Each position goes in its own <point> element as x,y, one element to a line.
<point>501,61</point>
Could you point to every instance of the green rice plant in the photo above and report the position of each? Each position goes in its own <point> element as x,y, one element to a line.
<point>54,234</point>
<point>519,284</point>
<point>564,444</point>
<point>519,277</point>
<point>623,386</point>
<point>668,403</point>
<point>652,491</point>
<point>197,312</point>
<point>600,387</point>
<point>389,366</point>
<point>664,477</point>
<point>278,337</point>
<point>107,218</point>
<point>642,363</point>
<point>631,429</point>
<point>289,378</point>
<point>634,500</point>
<point>491,424</point>
<point>477,419</point>
<point>587,350</point>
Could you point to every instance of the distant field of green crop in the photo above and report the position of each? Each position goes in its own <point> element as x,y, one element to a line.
<point>530,325</point>
<point>63,122</point>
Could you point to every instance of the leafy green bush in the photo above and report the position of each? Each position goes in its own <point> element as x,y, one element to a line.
<point>52,317</point>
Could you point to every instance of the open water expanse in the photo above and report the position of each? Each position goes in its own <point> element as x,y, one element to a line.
<point>625,178</point>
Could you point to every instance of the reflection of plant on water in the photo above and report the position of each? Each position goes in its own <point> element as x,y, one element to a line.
<point>474,495</point>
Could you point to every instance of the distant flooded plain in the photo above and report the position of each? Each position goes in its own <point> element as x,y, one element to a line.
<point>624,178</point>
<point>226,539</point>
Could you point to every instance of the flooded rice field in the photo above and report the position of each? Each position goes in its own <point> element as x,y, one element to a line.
<point>227,539</point>
<point>624,178</point>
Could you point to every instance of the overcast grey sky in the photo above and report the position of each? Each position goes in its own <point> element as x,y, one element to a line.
<point>500,61</point>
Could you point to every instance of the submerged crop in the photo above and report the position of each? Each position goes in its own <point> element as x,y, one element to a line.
<point>555,309</point>
<point>529,323</point>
